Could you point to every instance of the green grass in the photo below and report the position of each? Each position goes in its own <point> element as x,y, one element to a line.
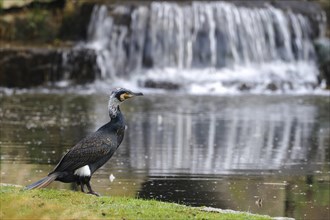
<point>63,204</point>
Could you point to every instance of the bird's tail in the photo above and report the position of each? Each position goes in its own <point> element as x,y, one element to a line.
<point>43,182</point>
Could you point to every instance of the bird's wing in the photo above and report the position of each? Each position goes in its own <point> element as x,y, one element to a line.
<point>87,151</point>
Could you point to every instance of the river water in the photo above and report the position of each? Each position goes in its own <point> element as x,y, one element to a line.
<point>256,153</point>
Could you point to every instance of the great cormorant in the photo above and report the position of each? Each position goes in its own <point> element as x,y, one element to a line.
<point>82,160</point>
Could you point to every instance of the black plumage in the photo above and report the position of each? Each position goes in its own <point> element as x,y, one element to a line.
<point>92,152</point>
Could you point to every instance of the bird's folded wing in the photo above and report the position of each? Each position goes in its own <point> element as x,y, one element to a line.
<point>84,153</point>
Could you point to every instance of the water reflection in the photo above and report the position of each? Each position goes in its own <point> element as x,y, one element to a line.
<point>231,137</point>
<point>224,152</point>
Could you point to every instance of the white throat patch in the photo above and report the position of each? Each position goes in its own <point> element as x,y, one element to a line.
<point>113,106</point>
<point>83,171</point>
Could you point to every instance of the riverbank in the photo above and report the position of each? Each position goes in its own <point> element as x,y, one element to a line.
<point>64,204</point>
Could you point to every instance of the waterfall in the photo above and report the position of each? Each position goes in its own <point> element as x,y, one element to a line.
<point>204,46</point>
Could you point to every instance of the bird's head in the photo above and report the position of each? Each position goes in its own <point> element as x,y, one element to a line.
<point>118,96</point>
<point>121,94</point>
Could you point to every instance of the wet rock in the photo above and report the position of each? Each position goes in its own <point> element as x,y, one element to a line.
<point>272,87</point>
<point>28,67</point>
<point>322,48</point>
<point>122,15</point>
<point>309,8</point>
<point>325,73</point>
<point>25,68</point>
<point>80,66</point>
<point>244,87</point>
<point>161,85</point>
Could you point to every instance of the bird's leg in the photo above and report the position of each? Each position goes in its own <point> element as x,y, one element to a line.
<point>82,186</point>
<point>91,191</point>
<point>75,186</point>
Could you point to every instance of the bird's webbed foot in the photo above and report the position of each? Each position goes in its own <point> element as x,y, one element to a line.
<point>91,191</point>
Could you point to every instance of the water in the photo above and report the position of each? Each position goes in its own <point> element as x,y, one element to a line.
<point>205,47</point>
<point>256,153</point>
<point>219,151</point>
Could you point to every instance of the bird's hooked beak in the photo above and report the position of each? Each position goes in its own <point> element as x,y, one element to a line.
<point>137,94</point>
<point>129,94</point>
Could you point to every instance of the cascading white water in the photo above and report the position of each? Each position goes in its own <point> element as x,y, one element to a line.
<point>204,46</point>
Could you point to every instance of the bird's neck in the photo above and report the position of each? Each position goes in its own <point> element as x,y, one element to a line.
<point>113,108</point>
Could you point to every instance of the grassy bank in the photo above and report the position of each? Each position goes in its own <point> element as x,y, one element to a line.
<point>62,204</point>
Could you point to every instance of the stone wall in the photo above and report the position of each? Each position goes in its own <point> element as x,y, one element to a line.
<point>29,67</point>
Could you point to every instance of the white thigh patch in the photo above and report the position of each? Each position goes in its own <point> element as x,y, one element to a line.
<point>83,171</point>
